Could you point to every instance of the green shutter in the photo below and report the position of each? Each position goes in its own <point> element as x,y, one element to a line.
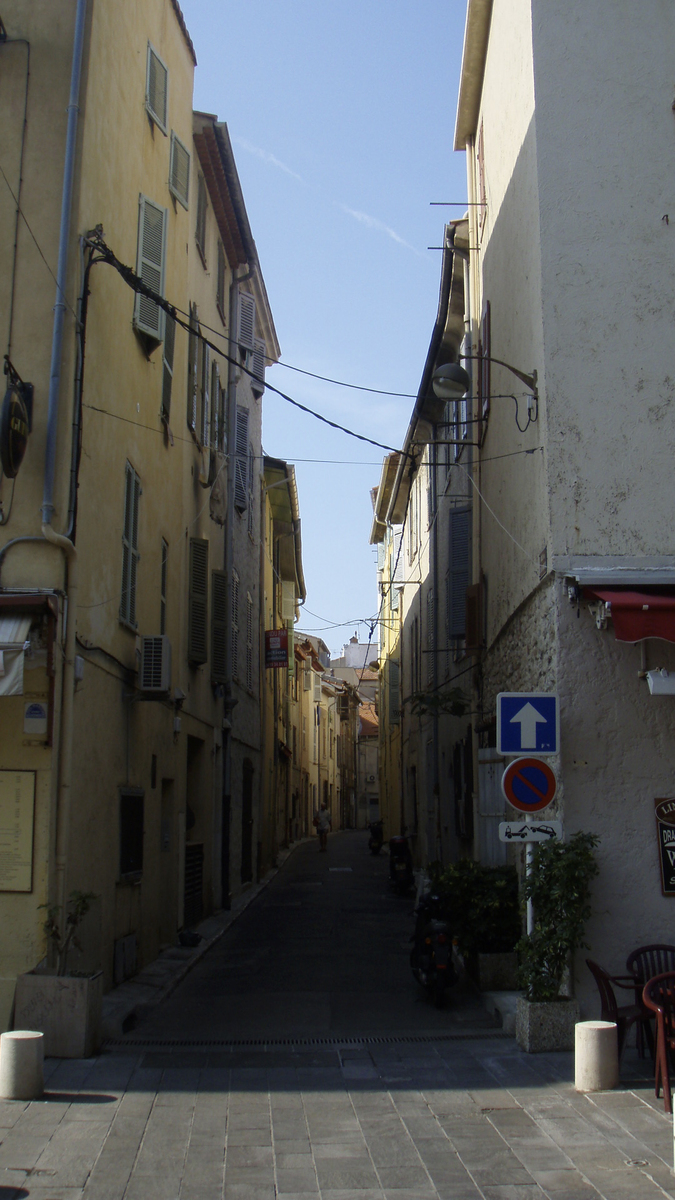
<point>241,461</point>
<point>179,177</point>
<point>218,625</point>
<point>198,600</point>
<point>167,373</point>
<point>148,316</point>
<point>156,88</point>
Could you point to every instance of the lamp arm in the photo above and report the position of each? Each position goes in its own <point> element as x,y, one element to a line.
<point>530,381</point>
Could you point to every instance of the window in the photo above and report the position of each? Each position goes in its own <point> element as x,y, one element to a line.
<point>458,572</point>
<point>234,628</point>
<point>394,690</point>
<point>246,332</point>
<point>220,282</point>
<point>130,555</point>
<point>179,173</point>
<point>200,230</point>
<point>218,625</point>
<point>484,351</point>
<point>259,359</point>
<point>482,196</point>
<point>241,460</point>
<point>150,263</point>
<point>167,366</point>
<point>156,89</point>
<point>198,600</point>
<point>162,586</point>
<point>204,426</point>
<point>249,641</point>
<point>131,831</point>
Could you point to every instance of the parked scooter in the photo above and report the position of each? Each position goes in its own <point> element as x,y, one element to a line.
<point>376,837</point>
<point>400,865</point>
<point>431,957</point>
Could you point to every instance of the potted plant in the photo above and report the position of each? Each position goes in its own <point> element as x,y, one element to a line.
<point>558,885</point>
<point>64,1005</point>
<point>481,904</point>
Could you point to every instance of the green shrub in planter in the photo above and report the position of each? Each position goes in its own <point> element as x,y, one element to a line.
<point>480,904</point>
<point>559,887</point>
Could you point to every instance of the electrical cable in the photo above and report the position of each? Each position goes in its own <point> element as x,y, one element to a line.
<point>137,285</point>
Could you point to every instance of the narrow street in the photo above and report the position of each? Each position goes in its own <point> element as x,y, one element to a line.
<point>297,1061</point>
<point>322,952</point>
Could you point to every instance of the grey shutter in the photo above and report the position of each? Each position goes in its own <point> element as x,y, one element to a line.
<point>193,347</point>
<point>200,231</point>
<point>249,641</point>
<point>241,460</point>
<point>205,384</point>
<point>218,625</point>
<point>198,600</point>
<point>167,364</point>
<point>220,282</point>
<point>246,332</point>
<point>234,629</point>
<point>215,405</point>
<point>156,89</point>
<point>148,316</point>
<point>179,175</point>
<point>458,573</point>
<point>130,554</point>
<point>258,383</point>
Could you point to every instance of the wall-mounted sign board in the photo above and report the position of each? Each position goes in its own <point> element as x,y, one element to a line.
<point>665,830</point>
<point>17,814</point>
<point>276,648</point>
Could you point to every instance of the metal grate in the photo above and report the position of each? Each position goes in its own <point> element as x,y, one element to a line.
<point>273,1043</point>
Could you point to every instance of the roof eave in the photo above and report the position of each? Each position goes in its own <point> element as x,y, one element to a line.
<point>476,34</point>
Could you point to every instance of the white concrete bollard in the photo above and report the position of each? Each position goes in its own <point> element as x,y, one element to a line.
<point>21,1065</point>
<point>596,1056</point>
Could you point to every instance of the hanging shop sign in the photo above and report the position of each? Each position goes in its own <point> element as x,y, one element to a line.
<point>14,430</point>
<point>276,648</point>
<point>665,829</point>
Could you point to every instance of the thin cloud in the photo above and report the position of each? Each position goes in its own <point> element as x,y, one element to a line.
<point>373,223</point>
<point>268,158</point>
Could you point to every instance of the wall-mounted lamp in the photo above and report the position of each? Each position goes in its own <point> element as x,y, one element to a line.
<point>451,382</point>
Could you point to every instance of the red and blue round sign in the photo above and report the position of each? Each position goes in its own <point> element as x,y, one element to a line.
<point>529,784</point>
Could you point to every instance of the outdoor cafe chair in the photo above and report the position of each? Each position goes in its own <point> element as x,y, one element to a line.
<point>623,1015</point>
<point>659,997</point>
<point>643,964</point>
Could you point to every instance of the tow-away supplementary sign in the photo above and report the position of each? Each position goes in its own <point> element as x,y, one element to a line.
<point>528,721</point>
<point>536,831</point>
<point>529,784</point>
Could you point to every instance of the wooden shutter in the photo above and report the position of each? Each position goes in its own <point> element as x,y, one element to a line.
<point>215,405</point>
<point>458,572</point>
<point>241,460</point>
<point>249,641</point>
<point>167,364</point>
<point>205,422</point>
<point>234,628</point>
<point>246,332</point>
<point>259,359</point>
<point>220,282</point>
<point>218,625</point>
<point>148,316</point>
<point>179,175</point>
<point>130,553</point>
<point>474,616</point>
<point>156,89</point>
<point>198,600</point>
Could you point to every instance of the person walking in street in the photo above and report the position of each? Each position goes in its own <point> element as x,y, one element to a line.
<point>322,822</point>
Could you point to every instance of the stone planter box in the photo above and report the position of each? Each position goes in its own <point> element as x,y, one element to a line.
<point>65,1008</point>
<point>547,1025</point>
<point>496,972</point>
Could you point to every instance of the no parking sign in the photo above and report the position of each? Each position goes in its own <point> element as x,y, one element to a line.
<point>529,784</point>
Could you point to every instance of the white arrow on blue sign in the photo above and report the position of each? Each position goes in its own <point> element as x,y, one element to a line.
<point>528,721</point>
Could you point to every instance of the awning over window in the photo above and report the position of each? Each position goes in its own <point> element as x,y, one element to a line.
<point>14,631</point>
<point>638,615</point>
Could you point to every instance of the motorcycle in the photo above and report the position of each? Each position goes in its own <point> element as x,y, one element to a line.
<point>376,837</point>
<point>432,955</point>
<point>400,865</point>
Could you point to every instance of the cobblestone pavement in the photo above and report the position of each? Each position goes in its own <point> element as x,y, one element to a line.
<point>229,1102</point>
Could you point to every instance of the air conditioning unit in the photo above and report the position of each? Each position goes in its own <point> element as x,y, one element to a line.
<point>155,664</point>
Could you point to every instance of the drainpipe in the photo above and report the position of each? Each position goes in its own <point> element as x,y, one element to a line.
<point>56,539</point>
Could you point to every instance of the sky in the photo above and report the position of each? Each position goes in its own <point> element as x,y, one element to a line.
<point>341,117</point>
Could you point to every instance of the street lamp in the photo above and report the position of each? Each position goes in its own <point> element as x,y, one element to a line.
<point>451,382</point>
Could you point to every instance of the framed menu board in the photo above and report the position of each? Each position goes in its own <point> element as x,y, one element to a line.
<point>17,814</point>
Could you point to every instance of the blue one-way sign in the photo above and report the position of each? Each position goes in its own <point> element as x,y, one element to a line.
<point>528,721</point>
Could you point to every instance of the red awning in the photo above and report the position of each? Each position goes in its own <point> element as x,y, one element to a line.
<point>638,615</point>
